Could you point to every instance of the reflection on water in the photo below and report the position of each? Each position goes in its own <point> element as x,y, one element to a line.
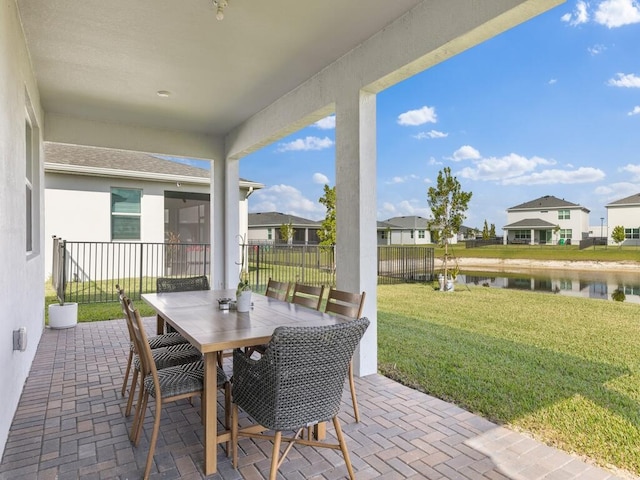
<point>601,285</point>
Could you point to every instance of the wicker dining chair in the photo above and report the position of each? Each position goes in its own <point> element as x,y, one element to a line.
<point>307,295</point>
<point>297,383</point>
<point>348,305</point>
<point>180,284</point>
<point>166,385</point>
<point>278,290</point>
<point>155,341</point>
<point>163,357</point>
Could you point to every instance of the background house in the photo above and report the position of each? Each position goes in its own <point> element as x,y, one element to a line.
<point>264,227</point>
<point>104,195</point>
<point>626,213</point>
<point>410,230</point>
<point>535,222</point>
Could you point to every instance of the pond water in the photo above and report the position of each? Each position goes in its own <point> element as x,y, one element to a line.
<point>600,285</point>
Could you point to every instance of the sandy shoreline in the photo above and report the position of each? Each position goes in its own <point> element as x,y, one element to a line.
<point>494,264</point>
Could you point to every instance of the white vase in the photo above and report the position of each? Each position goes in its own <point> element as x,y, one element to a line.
<point>243,301</point>
<point>63,316</point>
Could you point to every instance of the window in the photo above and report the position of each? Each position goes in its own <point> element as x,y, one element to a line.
<point>125,213</point>
<point>269,233</point>
<point>522,234</point>
<point>564,214</point>
<point>411,234</point>
<point>566,233</point>
<point>420,233</point>
<point>383,235</point>
<point>28,141</point>
<point>632,233</point>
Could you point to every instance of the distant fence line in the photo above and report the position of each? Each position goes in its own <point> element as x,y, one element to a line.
<point>87,272</point>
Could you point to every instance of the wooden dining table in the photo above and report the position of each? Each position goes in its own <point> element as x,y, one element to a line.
<point>199,318</point>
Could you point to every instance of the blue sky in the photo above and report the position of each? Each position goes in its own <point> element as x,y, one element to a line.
<point>551,107</point>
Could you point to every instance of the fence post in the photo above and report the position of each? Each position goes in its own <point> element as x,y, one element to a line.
<point>141,265</point>
<point>257,250</point>
<point>62,285</point>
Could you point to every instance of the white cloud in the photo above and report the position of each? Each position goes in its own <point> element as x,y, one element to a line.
<point>596,49</point>
<point>320,178</point>
<point>556,176</point>
<point>418,117</point>
<point>579,16</point>
<point>635,111</point>
<point>466,152</point>
<point>634,170</point>
<point>405,207</point>
<point>327,123</point>
<point>433,161</point>
<point>553,81</point>
<point>285,199</point>
<point>629,80</point>
<point>503,168</point>
<point>396,180</point>
<point>616,191</point>
<point>307,143</point>
<point>431,134</point>
<point>616,13</point>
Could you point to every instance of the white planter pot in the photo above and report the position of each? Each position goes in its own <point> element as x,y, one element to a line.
<point>243,301</point>
<point>63,316</point>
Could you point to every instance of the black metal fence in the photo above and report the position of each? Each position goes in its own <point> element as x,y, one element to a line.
<point>87,272</point>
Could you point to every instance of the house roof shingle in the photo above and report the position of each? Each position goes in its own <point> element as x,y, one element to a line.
<point>270,219</point>
<point>411,221</point>
<point>529,223</point>
<point>548,201</point>
<point>630,200</point>
<point>104,161</point>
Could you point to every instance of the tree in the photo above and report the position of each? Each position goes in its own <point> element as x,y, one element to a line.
<point>327,232</point>
<point>492,231</point>
<point>448,205</point>
<point>286,232</point>
<point>617,235</point>
<point>485,230</point>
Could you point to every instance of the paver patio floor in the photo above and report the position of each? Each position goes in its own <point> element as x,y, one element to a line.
<point>70,424</point>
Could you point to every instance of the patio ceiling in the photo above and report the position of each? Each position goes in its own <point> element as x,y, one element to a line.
<point>106,60</point>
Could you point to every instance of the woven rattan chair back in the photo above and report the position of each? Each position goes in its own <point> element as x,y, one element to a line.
<point>278,290</point>
<point>296,383</point>
<point>343,303</point>
<point>186,284</point>
<point>307,295</point>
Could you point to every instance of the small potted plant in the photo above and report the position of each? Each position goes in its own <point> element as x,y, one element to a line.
<point>63,314</point>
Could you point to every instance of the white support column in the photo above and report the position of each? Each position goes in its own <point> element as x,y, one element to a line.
<point>356,255</point>
<point>225,222</point>
<point>533,237</point>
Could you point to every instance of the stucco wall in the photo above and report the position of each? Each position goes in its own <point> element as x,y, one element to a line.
<point>19,306</point>
<point>578,223</point>
<point>627,216</point>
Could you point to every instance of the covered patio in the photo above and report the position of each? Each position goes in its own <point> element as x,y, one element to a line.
<point>70,424</point>
<point>165,77</point>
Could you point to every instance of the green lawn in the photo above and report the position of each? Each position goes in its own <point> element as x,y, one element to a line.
<point>565,369</point>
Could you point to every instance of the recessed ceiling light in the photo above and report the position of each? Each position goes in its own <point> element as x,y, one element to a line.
<point>164,93</point>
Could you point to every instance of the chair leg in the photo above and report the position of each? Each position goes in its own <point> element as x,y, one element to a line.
<point>343,447</point>
<point>141,410</point>
<point>352,386</point>
<point>127,412</point>
<point>227,409</point>
<point>127,371</point>
<point>275,458</point>
<point>154,438</point>
<point>234,435</point>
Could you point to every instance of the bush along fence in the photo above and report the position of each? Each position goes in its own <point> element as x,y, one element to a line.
<point>87,272</point>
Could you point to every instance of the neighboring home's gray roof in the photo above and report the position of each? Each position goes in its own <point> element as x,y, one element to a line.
<point>548,201</point>
<point>631,200</point>
<point>80,159</point>
<point>386,225</point>
<point>409,222</point>
<point>276,219</point>
<point>529,223</point>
